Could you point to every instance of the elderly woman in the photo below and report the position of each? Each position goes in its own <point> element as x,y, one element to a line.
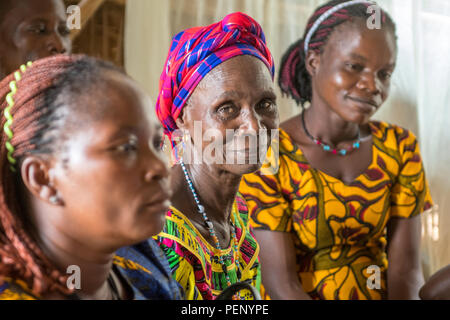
<point>30,30</point>
<point>81,176</point>
<point>216,77</point>
<point>341,217</point>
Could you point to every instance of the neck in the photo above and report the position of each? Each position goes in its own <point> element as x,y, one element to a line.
<point>325,124</point>
<point>215,188</point>
<point>65,250</point>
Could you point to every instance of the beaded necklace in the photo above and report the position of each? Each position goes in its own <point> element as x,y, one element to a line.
<point>327,147</point>
<point>210,226</point>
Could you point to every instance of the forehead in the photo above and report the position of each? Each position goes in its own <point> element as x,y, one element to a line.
<point>245,74</point>
<point>117,101</point>
<point>30,9</point>
<point>355,38</point>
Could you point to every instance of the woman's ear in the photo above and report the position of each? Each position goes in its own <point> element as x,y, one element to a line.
<point>180,120</point>
<point>37,179</point>
<point>312,62</point>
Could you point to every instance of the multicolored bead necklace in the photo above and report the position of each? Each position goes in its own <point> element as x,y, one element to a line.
<point>210,226</point>
<point>329,148</point>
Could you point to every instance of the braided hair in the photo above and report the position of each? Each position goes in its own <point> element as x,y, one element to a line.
<point>294,79</point>
<point>46,88</point>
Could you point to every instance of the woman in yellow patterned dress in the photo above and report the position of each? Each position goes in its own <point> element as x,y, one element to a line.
<point>348,193</point>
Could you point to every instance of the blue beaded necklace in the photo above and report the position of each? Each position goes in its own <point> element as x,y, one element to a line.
<point>329,148</point>
<point>210,226</point>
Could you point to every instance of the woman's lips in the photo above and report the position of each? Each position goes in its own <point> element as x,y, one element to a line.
<point>365,105</point>
<point>159,202</point>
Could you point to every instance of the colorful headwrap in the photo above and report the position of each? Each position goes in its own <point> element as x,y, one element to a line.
<point>196,51</point>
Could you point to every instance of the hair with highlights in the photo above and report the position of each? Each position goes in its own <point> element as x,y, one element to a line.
<point>46,88</point>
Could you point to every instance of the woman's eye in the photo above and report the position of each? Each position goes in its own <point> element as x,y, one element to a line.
<point>266,105</point>
<point>158,143</point>
<point>385,75</point>
<point>39,28</point>
<point>130,146</point>
<point>64,31</point>
<point>226,111</point>
<point>354,67</point>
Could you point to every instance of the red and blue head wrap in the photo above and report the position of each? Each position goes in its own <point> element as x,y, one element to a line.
<point>196,51</point>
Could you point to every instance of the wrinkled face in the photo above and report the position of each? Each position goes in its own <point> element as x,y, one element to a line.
<point>231,105</point>
<point>110,175</point>
<point>354,74</point>
<point>32,30</point>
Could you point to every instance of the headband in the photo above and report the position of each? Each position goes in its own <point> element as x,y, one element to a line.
<point>326,15</point>
<point>8,116</point>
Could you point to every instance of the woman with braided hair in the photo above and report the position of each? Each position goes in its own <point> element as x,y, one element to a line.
<point>349,191</point>
<point>80,177</point>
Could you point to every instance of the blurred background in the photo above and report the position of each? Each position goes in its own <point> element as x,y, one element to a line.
<point>136,34</point>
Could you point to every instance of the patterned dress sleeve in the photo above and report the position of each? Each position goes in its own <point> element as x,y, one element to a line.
<point>410,194</point>
<point>182,270</point>
<point>146,269</point>
<point>268,207</point>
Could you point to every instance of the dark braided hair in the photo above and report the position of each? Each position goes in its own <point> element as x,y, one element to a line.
<point>47,88</point>
<point>294,79</point>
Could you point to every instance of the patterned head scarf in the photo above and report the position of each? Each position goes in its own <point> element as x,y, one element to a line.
<point>196,51</point>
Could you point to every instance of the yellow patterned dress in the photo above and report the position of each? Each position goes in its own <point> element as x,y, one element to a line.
<point>15,290</point>
<point>340,229</point>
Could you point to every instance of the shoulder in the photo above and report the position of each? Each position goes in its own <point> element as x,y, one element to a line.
<point>15,290</point>
<point>286,143</point>
<point>241,208</point>
<point>180,239</point>
<point>147,271</point>
<point>392,134</point>
<point>291,123</point>
<point>145,257</point>
<point>178,227</point>
<point>395,140</point>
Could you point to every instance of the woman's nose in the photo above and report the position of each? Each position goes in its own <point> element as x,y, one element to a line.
<point>157,169</point>
<point>55,45</point>
<point>251,123</point>
<point>370,83</point>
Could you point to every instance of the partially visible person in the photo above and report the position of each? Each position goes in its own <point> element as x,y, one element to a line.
<point>341,217</point>
<point>438,286</point>
<point>30,30</point>
<point>81,177</point>
<point>217,77</point>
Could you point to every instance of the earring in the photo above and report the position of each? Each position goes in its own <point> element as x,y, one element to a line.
<point>54,199</point>
<point>179,143</point>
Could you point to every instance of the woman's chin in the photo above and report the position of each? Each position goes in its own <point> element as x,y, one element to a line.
<point>241,169</point>
<point>147,229</point>
<point>357,118</point>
